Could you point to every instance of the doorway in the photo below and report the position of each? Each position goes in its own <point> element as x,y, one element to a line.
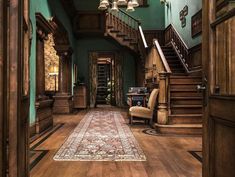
<point>105,81</point>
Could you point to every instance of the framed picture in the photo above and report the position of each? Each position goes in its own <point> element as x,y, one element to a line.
<point>181,15</point>
<point>183,22</point>
<point>196,24</point>
<point>185,10</point>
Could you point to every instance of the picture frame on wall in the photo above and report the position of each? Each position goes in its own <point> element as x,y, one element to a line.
<point>181,15</point>
<point>183,22</point>
<point>185,10</point>
<point>196,24</point>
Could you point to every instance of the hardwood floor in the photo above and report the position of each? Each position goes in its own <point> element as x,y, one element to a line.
<point>167,156</point>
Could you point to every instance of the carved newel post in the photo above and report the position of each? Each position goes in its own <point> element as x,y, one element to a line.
<point>63,99</point>
<point>163,108</point>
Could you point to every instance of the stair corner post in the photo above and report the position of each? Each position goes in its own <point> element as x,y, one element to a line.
<point>163,112</point>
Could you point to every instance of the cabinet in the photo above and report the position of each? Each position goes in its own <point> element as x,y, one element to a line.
<point>80,97</point>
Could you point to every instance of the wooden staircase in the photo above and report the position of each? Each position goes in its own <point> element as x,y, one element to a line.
<point>185,109</point>
<point>127,31</point>
<point>185,101</point>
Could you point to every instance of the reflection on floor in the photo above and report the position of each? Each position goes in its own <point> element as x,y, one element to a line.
<point>167,156</point>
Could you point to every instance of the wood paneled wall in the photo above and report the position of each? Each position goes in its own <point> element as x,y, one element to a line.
<point>154,34</point>
<point>194,60</point>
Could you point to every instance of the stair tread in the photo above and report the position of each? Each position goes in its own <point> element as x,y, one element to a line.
<point>186,77</point>
<point>186,98</point>
<point>180,125</point>
<point>184,115</point>
<point>187,106</point>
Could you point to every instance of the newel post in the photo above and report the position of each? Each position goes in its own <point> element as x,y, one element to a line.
<point>163,112</point>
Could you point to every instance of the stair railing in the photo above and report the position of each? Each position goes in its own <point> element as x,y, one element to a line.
<point>162,73</point>
<point>172,37</point>
<point>129,27</point>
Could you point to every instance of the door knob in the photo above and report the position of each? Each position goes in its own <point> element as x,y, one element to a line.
<point>201,87</point>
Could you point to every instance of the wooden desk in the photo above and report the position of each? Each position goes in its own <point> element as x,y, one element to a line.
<point>134,98</point>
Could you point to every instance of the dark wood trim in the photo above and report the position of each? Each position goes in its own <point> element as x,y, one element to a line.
<point>223,18</point>
<point>32,130</point>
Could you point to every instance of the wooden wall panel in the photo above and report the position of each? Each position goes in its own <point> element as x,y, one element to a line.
<point>225,62</point>
<point>88,23</point>
<point>1,89</point>
<point>194,60</point>
<point>154,34</point>
<point>224,140</point>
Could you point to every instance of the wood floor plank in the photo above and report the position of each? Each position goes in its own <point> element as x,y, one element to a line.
<point>167,156</point>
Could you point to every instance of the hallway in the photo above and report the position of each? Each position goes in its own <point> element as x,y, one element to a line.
<point>167,156</point>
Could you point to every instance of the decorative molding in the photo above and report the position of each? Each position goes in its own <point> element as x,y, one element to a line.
<point>43,26</point>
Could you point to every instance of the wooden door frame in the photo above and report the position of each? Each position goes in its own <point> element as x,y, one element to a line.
<point>208,62</point>
<point>13,149</point>
<point>2,78</point>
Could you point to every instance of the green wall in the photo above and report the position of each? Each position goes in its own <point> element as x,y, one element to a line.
<point>86,45</point>
<point>172,17</point>
<point>151,17</point>
<point>47,9</point>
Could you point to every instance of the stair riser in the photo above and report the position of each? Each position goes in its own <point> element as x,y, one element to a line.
<point>186,110</point>
<point>184,81</point>
<point>186,102</point>
<point>180,131</point>
<point>193,86</point>
<point>185,94</point>
<point>185,120</point>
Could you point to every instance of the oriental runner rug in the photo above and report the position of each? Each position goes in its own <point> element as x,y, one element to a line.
<point>101,136</point>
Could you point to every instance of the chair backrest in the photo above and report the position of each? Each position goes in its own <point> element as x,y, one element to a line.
<point>153,99</point>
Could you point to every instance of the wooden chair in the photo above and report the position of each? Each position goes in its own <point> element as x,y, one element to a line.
<point>144,112</point>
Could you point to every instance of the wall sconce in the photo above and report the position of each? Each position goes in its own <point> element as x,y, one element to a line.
<point>164,2</point>
<point>54,71</point>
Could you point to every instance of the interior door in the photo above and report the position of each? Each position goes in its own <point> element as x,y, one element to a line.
<point>219,73</point>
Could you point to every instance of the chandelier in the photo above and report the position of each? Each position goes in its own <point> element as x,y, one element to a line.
<point>131,4</point>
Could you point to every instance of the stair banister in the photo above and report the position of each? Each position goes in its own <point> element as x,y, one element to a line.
<point>143,37</point>
<point>164,73</point>
<point>162,56</point>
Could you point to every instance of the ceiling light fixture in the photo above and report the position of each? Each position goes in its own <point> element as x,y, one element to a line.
<point>131,4</point>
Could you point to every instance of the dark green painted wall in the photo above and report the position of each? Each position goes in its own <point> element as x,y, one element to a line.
<point>86,45</point>
<point>172,17</point>
<point>47,9</point>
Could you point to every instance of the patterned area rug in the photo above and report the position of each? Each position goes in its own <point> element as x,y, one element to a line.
<point>101,136</point>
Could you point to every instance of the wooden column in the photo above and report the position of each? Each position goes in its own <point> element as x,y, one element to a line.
<point>162,113</point>
<point>63,99</point>
<point>44,119</point>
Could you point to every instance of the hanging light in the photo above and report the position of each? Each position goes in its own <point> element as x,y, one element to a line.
<point>130,7</point>
<point>135,3</point>
<point>102,5</point>
<point>114,6</point>
<point>121,2</point>
<point>105,2</point>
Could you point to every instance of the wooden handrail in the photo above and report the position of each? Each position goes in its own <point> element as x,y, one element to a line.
<point>177,34</point>
<point>162,56</point>
<point>143,37</point>
<point>130,16</point>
